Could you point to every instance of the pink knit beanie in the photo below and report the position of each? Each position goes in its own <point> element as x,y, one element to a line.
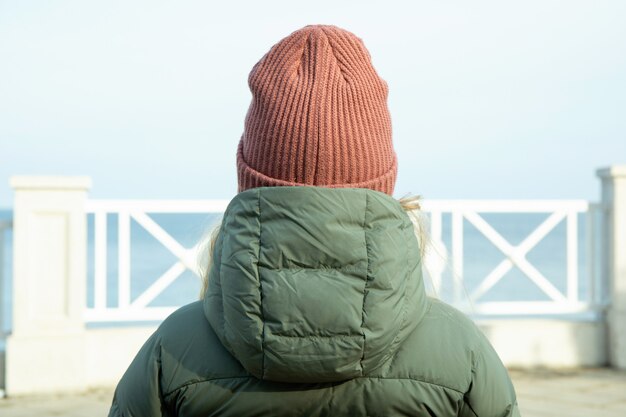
<point>318,116</point>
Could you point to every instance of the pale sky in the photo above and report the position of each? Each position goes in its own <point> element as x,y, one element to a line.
<point>489,99</point>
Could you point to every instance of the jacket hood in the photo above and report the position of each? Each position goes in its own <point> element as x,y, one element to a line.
<point>312,284</point>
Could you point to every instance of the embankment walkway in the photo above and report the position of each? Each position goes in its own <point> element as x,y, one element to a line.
<point>571,393</point>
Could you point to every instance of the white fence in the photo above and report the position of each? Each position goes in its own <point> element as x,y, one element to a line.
<point>472,211</point>
<point>514,255</point>
<point>139,211</point>
<point>51,301</point>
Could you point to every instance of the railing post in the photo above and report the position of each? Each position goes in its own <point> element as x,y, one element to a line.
<point>614,258</point>
<point>46,349</point>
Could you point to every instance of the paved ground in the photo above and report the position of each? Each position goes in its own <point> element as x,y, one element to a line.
<point>589,393</point>
<point>592,392</point>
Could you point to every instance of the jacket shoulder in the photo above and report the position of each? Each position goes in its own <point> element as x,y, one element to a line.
<point>191,351</point>
<point>449,350</point>
<point>441,350</point>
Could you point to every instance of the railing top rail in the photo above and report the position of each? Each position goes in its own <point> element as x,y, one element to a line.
<point>157,206</point>
<point>217,206</point>
<point>506,206</point>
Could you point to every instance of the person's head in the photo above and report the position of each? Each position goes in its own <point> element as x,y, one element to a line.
<point>318,116</point>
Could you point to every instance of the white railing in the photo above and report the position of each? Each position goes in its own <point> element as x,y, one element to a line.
<point>127,210</point>
<point>560,302</point>
<point>556,211</point>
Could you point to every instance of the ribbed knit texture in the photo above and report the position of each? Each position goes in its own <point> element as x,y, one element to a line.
<point>318,116</point>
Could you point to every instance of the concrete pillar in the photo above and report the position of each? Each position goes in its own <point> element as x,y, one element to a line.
<point>46,349</point>
<point>614,258</point>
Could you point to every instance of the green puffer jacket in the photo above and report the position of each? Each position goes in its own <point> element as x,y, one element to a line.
<point>316,307</point>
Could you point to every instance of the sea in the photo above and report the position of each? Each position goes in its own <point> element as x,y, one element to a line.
<point>150,259</point>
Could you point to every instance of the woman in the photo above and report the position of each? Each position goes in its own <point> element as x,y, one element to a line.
<point>315,303</point>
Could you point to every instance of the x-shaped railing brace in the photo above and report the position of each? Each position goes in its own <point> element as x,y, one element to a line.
<point>516,255</point>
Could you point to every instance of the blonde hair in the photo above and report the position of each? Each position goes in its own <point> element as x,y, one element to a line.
<point>410,204</point>
<point>205,256</point>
